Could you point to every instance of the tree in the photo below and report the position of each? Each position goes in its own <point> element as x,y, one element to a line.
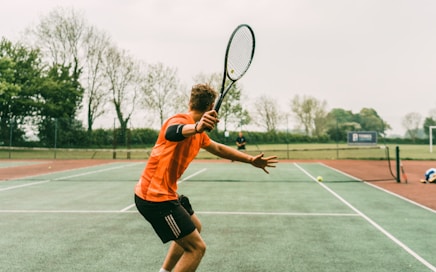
<point>20,75</point>
<point>311,114</point>
<point>94,80</point>
<point>124,78</point>
<point>411,123</point>
<point>430,121</point>
<point>60,36</point>
<point>160,90</point>
<point>181,100</point>
<point>33,95</point>
<point>267,113</point>
<point>320,119</point>
<point>341,121</point>
<point>341,115</point>
<point>231,110</point>
<point>58,100</point>
<point>65,38</point>
<point>369,119</point>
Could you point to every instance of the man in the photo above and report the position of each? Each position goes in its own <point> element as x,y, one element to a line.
<point>241,141</point>
<point>156,198</point>
<point>430,176</point>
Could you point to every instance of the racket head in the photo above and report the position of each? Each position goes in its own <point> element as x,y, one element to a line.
<point>239,52</point>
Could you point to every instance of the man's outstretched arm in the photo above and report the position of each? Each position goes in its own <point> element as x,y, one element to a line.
<point>229,153</point>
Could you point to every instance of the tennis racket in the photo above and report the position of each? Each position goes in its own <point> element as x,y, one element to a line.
<point>239,54</point>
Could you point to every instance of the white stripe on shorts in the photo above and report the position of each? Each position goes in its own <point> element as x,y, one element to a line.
<point>173,225</point>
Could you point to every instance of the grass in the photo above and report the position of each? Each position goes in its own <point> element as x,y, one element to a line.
<point>283,151</point>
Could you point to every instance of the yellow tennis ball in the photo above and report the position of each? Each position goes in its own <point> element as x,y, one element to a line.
<point>319,178</point>
<point>232,71</point>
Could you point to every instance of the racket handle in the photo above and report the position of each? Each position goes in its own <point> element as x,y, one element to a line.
<point>218,105</point>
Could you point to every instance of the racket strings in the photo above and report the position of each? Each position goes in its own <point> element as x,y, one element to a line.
<point>240,54</point>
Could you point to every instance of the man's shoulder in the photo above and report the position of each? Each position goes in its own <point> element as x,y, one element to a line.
<point>180,117</point>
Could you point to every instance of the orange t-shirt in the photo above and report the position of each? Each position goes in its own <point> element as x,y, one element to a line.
<point>168,161</point>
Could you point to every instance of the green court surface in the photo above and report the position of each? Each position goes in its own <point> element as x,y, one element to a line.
<point>85,220</point>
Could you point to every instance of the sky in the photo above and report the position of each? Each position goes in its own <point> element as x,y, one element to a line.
<point>378,54</point>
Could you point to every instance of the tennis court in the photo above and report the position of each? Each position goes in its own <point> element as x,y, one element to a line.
<point>84,220</point>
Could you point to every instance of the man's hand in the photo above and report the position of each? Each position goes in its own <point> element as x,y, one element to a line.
<point>260,162</point>
<point>208,121</point>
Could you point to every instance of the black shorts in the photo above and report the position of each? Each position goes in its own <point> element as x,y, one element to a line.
<point>171,220</point>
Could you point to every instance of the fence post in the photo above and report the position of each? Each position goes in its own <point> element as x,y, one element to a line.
<point>11,127</point>
<point>397,161</point>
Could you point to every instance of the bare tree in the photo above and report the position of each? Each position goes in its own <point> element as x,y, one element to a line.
<point>160,89</point>
<point>124,77</point>
<point>320,121</point>
<point>311,113</point>
<point>267,113</point>
<point>411,122</point>
<point>59,36</point>
<point>94,80</point>
<point>181,100</point>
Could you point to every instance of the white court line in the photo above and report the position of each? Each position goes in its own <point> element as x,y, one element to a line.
<point>66,177</point>
<point>128,208</point>
<point>60,211</point>
<point>373,223</point>
<point>280,213</point>
<point>56,172</point>
<point>178,182</point>
<point>193,175</point>
<point>198,212</point>
<point>23,185</point>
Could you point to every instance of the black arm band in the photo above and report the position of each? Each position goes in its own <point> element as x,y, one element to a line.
<point>174,133</point>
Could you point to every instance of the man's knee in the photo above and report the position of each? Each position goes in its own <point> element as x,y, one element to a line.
<point>202,247</point>
<point>193,243</point>
<point>199,248</point>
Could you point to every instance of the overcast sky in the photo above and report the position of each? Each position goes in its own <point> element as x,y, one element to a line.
<point>379,54</point>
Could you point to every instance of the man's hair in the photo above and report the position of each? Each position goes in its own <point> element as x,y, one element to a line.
<point>202,97</point>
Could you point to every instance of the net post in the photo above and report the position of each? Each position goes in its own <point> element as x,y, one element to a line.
<point>128,143</point>
<point>397,162</point>
<point>11,127</point>
<point>55,137</point>
<point>430,139</point>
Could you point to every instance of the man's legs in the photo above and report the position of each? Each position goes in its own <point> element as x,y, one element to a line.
<point>176,250</point>
<point>194,249</point>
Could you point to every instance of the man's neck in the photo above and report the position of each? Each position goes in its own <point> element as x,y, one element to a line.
<point>196,115</point>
